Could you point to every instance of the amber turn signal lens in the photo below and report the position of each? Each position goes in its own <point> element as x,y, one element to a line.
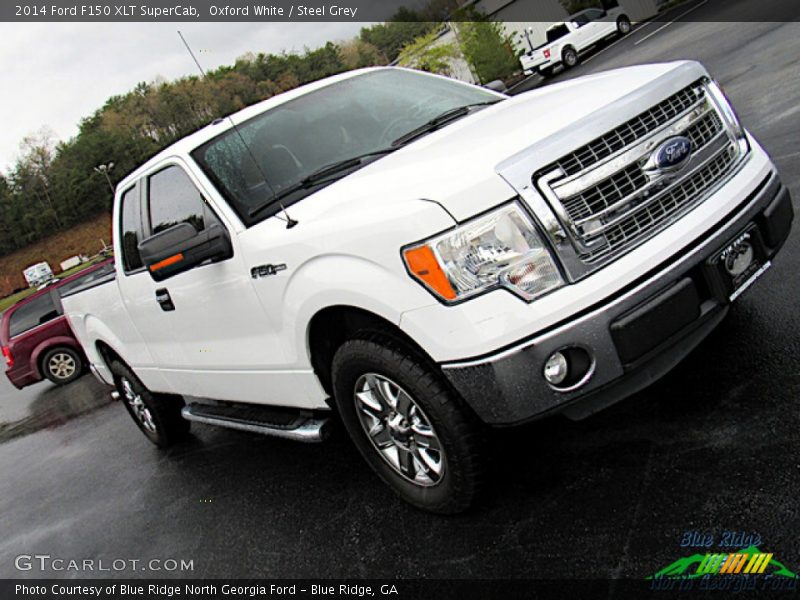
<point>166,262</point>
<point>423,264</point>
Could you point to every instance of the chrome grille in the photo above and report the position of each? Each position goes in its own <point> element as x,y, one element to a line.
<point>704,130</point>
<point>632,178</point>
<point>606,194</point>
<point>610,194</point>
<point>629,132</point>
<point>651,215</point>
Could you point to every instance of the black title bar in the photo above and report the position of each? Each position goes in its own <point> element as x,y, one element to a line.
<point>369,10</point>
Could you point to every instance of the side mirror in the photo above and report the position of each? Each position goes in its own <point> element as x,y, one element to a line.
<point>182,247</point>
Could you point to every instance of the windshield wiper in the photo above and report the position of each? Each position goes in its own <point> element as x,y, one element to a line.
<point>325,174</point>
<point>440,120</point>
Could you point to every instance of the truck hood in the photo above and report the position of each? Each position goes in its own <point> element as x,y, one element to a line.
<point>460,165</point>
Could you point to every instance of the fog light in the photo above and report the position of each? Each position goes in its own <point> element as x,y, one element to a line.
<point>556,368</point>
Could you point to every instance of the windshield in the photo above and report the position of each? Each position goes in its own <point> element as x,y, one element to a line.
<point>556,32</point>
<point>349,118</point>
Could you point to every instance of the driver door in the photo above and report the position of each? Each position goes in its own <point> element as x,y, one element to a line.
<point>596,27</point>
<point>205,327</point>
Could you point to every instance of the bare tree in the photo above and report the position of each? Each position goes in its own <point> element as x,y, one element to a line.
<point>37,151</point>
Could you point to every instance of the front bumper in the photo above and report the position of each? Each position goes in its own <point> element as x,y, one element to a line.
<point>634,337</point>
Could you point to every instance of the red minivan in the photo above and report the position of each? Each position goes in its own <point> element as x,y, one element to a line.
<point>35,336</point>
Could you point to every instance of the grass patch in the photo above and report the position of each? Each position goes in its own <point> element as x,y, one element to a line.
<point>14,298</point>
<point>73,270</point>
<point>81,239</point>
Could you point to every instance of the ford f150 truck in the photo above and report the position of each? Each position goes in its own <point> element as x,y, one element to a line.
<point>567,41</point>
<point>429,259</point>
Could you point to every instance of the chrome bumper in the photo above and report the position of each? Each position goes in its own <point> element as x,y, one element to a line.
<point>508,387</point>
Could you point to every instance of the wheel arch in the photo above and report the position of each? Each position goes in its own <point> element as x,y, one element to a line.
<point>566,47</point>
<point>108,355</point>
<point>61,341</point>
<point>331,326</point>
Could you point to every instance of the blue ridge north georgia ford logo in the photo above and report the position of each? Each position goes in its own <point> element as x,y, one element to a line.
<point>672,154</point>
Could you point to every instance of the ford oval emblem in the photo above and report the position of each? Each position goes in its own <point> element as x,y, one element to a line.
<point>672,154</point>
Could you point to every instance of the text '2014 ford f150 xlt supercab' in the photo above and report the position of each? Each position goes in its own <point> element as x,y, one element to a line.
<point>429,259</point>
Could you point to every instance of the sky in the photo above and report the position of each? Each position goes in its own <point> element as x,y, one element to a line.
<point>53,74</point>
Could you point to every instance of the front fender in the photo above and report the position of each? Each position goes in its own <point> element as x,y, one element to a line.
<point>345,280</point>
<point>344,253</point>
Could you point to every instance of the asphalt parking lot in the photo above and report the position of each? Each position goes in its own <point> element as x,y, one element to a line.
<point>712,447</point>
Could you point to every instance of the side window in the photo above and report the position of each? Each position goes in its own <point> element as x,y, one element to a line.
<point>173,199</point>
<point>580,19</point>
<point>130,229</point>
<point>34,312</point>
<point>595,14</point>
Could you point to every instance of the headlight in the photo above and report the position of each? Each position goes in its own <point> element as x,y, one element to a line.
<point>500,249</point>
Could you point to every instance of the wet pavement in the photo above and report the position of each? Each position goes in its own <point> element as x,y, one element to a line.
<point>45,405</point>
<point>712,447</point>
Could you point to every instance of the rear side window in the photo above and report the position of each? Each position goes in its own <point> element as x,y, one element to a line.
<point>557,32</point>
<point>174,199</point>
<point>131,229</point>
<point>34,312</point>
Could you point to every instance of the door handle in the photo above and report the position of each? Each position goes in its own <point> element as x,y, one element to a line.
<point>164,299</point>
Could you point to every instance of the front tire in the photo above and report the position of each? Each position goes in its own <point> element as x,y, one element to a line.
<point>158,416</point>
<point>62,365</point>
<point>624,26</point>
<point>411,428</point>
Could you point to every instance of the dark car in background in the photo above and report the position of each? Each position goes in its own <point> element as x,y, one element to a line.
<point>36,339</point>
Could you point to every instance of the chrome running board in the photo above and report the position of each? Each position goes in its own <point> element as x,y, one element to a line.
<point>282,423</point>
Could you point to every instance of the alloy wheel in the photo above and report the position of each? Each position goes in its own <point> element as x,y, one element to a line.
<point>62,365</point>
<point>399,430</point>
<point>138,407</point>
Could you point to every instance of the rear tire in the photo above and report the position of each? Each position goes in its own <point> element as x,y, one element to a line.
<point>158,416</point>
<point>410,427</point>
<point>569,57</point>
<point>62,365</point>
<point>624,26</point>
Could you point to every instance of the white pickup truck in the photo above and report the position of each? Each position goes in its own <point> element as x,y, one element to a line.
<point>568,40</point>
<point>429,260</point>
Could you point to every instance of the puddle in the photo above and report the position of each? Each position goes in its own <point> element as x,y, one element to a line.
<point>50,406</point>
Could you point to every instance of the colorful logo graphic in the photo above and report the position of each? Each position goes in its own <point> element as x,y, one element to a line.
<point>747,561</point>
